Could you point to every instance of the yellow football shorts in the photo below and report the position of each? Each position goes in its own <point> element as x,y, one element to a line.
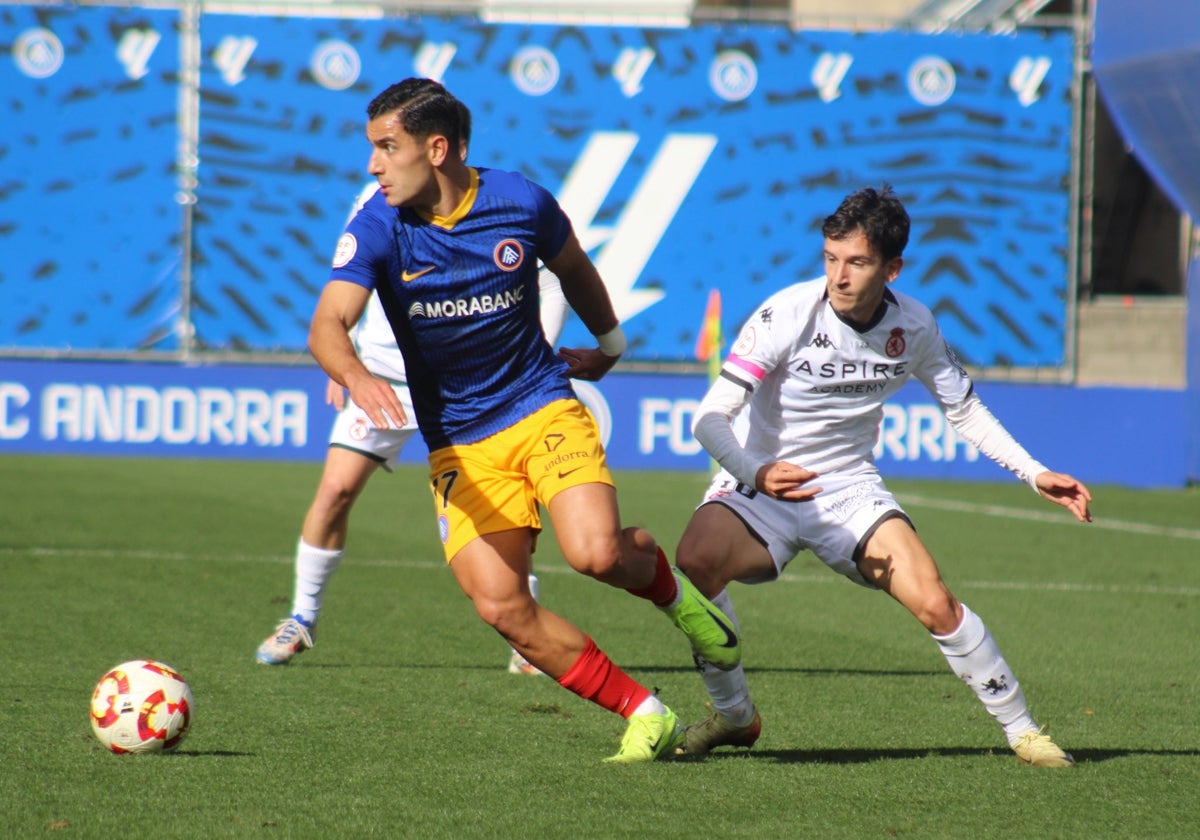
<point>496,484</point>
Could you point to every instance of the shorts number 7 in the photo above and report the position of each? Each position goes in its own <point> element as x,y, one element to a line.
<point>448,478</point>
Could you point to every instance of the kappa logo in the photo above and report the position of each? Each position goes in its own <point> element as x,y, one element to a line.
<point>765,314</point>
<point>509,255</point>
<point>996,685</point>
<point>822,341</point>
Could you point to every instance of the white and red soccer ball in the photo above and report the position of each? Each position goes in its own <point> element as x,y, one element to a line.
<point>141,706</point>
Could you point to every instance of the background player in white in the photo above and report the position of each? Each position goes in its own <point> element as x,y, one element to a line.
<point>815,364</point>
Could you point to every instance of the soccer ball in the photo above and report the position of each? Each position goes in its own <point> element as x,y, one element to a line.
<point>141,706</point>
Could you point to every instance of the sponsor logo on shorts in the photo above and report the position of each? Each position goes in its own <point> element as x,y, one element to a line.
<point>566,459</point>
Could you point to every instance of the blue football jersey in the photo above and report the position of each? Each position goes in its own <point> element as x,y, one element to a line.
<point>461,294</point>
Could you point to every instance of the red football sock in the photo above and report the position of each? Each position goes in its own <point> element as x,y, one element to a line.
<point>594,677</point>
<point>663,589</point>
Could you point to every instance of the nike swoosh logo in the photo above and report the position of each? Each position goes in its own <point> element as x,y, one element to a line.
<point>730,638</point>
<point>565,473</point>
<point>407,276</point>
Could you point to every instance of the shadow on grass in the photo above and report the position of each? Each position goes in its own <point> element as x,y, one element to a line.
<point>867,756</point>
<point>636,669</point>
<point>812,672</point>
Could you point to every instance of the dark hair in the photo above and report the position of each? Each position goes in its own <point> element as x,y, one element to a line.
<point>425,107</point>
<point>879,214</point>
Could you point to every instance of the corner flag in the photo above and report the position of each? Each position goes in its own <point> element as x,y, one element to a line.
<point>709,338</point>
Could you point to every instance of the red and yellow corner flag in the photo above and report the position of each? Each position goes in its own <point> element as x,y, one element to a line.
<point>709,339</point>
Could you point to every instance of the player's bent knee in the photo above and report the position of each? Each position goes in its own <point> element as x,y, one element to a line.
<point>938,613</point>
<point>508,617</point>
<point>638,539</point>
<point>335,497</point>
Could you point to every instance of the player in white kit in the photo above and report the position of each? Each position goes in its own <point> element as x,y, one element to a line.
<point>814,365</point>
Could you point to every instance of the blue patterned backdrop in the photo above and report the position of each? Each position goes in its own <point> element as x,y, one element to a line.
<point>89,225</point>
<point>688,159</point>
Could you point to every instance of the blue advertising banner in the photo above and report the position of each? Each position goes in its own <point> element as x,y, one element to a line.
<point>89,225</point>
<point>278,413</point>
<point>688,159</point>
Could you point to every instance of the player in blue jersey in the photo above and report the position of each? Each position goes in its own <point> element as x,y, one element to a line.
<point>453,253</point>
<point>356,451</point>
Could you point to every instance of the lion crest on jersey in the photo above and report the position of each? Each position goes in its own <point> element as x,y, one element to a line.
<point>895,344</point>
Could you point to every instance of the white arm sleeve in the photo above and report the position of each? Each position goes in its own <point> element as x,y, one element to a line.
<point>554,306</point>
<point>713,427</point>
<point>976,425</point>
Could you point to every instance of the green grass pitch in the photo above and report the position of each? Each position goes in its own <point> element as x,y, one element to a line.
<point>403,722</point>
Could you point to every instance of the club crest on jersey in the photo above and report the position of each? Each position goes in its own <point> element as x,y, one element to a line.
<point>509,255</point>
<point>895,344</point>
<point>745,342</point>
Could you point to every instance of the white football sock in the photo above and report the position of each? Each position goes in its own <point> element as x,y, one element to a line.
<point>973,655</point>
<point>728,689</point>
<point>314,567</point>
<point>650,706</point>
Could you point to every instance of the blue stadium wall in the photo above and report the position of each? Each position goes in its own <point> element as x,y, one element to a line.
<point>1105,435</point>
<point>689,159</point>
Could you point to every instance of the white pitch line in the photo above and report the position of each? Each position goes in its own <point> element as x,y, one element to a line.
<point>1053,517</point>
<point>1026,586</point>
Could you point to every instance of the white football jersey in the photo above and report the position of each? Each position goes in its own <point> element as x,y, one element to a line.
<point>817,385</point>
<point>376,343</point>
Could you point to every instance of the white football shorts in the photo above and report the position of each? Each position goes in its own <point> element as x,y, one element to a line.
<point>833,525</point>
<point>353,430</point>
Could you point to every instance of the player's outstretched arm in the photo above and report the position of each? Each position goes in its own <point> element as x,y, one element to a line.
<point>1067,491</point>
